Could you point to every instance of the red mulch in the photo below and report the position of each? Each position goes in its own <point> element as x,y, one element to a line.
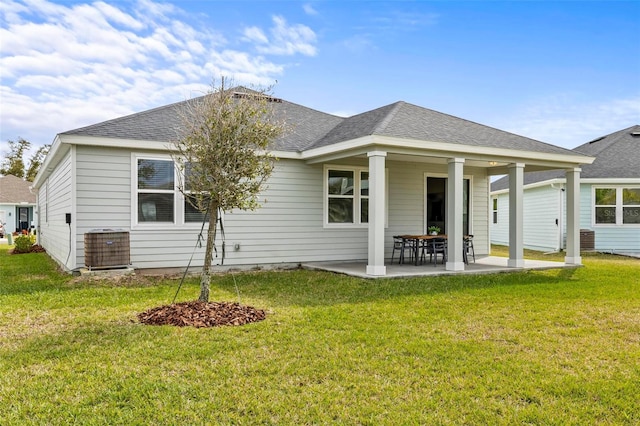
<point>201,314</point>
<point>36,248</point>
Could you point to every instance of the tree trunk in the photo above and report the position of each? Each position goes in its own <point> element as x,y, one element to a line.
<point>205,277</point>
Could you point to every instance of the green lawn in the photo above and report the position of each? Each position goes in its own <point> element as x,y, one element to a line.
<point>551,347</point>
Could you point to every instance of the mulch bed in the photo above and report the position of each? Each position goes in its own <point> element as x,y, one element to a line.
<point>202,314</point>
<point>36,248</point>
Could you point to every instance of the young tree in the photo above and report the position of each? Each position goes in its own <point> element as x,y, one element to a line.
<point>36,161</point>
<point>222,151</point>
<point>14,164</point>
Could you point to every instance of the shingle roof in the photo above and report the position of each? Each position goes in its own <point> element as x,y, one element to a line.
<point>15,190</point>
<point>313,129</point>
<point>305,125</point>
<point>617,156</point>
<point>408,121</point>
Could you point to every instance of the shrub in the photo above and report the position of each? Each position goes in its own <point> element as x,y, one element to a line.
<point>23,244</point>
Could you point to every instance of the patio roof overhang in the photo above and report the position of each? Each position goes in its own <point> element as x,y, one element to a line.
<point>495,160</point>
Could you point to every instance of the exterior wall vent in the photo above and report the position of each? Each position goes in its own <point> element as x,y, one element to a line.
<point>106,248</point>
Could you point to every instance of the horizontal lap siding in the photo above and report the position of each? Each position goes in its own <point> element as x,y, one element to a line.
<point>610,238</point>
<point>289,225</point>
<point>540,210</point>
<point>103,192</point>
<point>480,204</point>
<point>500,230</point>
<point>288,228</point>
<point>406,202</point>
<point>55,234</point>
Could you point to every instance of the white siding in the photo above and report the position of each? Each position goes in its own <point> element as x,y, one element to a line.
<point>541,208</point>
<point>608,238</point>
<point>500,230</point>
<point>407,203</point>
<point>54,233</point>
<point>288,228</point>
<point>103,192</point>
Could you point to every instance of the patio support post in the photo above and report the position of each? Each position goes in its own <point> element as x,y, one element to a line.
<point>375,265</point>
<point>516,191</point>
<point>455,231</point>
<point>573,217</point>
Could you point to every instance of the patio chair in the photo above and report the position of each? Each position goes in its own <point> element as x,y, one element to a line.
<point>439,247</point>
<point>402,245</point>
<point>467,247</point>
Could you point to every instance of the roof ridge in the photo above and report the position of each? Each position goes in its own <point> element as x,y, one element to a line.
<point>396,106</point>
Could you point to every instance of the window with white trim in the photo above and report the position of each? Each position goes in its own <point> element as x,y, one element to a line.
<point>346,195</point>
<point>157,197</point>
<point>617,206</point>
<point>156,190</point>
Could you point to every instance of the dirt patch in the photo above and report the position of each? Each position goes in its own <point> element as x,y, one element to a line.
<point>202,314</point>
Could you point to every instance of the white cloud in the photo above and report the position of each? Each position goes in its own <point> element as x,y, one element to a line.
<point>570,121</point>
<point>309,10</point>
<point>69,65</point>
<point>285,39</point>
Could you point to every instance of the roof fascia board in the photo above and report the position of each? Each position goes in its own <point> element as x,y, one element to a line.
<point>115,142</point>
<point>57,151</point>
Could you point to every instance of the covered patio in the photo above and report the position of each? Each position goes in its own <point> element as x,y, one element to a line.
<point>484,265</point>
<point>403,152</point>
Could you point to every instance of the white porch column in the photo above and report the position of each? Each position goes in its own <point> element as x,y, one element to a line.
<point>516,190</point>
<point>455,231</point>
<point>573,217</point>
<point>375,265</point>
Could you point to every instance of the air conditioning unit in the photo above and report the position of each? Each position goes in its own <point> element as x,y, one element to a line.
<point>106,248</point>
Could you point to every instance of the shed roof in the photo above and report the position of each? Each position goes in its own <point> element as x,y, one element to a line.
<point>15,190</point>
<point>617,155</point>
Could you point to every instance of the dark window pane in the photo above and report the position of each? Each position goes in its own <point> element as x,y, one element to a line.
<point>631,196</point>
<point>340,210</point>
<point>192,214</point>
<point>605,215</point>
<point>155,207</point>
<point>364,183</point>
<point>155,174</point>
<point>495,217</point>
<point>605,197</point>
<point>631,215</point>
<point>364,210</point>
<point>340,182</point>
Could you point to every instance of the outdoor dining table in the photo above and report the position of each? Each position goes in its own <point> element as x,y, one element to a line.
<point>416,240</point>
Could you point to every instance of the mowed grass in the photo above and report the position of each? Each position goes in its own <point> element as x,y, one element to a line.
<point>550,347</point>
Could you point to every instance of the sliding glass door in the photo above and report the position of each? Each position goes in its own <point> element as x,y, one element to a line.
<point>436,204</point>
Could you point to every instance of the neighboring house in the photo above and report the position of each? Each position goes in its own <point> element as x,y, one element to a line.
<point>342,187</point>
<point>609,199</point>
<point>17,204</point>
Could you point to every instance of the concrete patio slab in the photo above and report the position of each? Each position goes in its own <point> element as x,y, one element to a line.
<point>486,265</point>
